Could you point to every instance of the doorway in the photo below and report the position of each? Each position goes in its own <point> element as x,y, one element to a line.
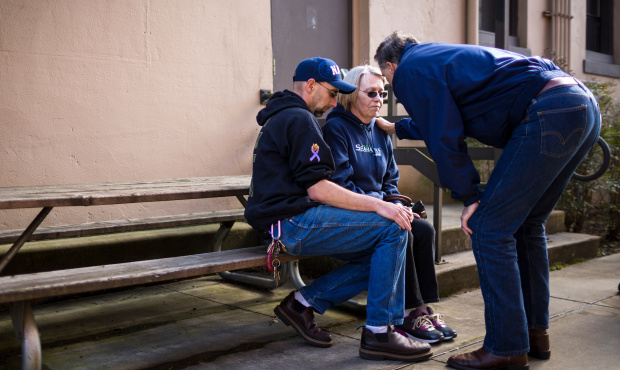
<point>306,29</point>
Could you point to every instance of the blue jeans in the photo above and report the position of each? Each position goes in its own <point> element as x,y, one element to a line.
<point>374,248</point>
<point>559,127</point>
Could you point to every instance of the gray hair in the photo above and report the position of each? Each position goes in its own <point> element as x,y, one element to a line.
<point>354,77</point>
<point>389,50</point>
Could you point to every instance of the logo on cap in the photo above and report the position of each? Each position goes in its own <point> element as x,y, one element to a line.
<point>328,70</point>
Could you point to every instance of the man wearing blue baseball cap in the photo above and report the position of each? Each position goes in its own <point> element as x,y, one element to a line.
<point>292,202</point>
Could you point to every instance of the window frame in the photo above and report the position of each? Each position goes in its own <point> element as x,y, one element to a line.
<point>599,63</point>
<point>487,38</point>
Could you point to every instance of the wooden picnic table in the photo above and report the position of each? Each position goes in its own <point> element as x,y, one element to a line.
<point>94,194</point>
<point>19,290</point>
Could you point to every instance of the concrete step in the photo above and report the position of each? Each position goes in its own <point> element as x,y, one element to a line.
<point>454,240</point>
<point>459,273</point>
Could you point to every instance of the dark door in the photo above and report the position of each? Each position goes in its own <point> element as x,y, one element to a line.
<point>306,29</point>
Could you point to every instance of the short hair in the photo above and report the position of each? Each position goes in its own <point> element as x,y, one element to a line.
<point>390,49</point>
<point>354,76</point>
<point>298,86</point>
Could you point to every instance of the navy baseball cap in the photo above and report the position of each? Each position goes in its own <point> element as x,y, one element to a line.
<point>322,70</point>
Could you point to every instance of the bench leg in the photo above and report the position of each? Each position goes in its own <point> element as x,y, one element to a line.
<point>26,331</point>
<point>24,237</point>
<point>257,281</point>
<point>293,267</point>
<point>254,281</point>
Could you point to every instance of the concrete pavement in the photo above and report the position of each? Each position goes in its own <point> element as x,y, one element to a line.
<point>206,323</point>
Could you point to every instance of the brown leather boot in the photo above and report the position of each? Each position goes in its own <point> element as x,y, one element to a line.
<point>481,359</point>
<point>539,344</point>
<point>301,318</point>
<point>392,346</point>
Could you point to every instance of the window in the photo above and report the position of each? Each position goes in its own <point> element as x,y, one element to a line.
<point>490,22</point>
<point>600,38</point>
<point>599,26</point>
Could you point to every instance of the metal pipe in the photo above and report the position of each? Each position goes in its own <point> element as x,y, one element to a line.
<point>26,331</point>
<point>437,215</point>
<point>472,20</point>
<point>257,281</point>
<point>560,15</point>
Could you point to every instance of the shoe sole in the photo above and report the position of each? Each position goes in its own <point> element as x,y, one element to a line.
<point>541,355</point>
<point>429,341</point>
<point>449,338</point>
<point>371,354</point>
<point>286,319</point>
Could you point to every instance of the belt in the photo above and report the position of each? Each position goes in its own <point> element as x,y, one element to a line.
<point>558,81</point>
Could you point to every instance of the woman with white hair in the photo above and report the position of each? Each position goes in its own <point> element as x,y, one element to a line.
<point>365,164</point>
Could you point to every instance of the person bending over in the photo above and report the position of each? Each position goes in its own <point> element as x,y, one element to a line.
<point>545,121</point>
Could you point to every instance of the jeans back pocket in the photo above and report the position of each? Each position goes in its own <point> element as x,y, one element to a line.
<point>562,130</point>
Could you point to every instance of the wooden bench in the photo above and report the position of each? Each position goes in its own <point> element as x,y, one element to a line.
<point>19,291</point>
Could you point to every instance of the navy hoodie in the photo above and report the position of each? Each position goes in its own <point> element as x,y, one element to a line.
<point>362,154</point>
<point>290,156</point>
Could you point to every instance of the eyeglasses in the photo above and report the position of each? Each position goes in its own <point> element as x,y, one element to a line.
<point>332,93</point>
<point>373,94</point>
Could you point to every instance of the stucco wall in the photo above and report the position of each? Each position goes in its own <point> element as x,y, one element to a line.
<point>100,90</point>
<point>111,90</point>
<point>429,21</point>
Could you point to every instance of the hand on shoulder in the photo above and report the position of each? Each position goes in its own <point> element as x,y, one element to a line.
<point>385,125</point>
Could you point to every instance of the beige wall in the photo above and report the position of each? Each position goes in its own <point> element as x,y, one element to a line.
<point>101,90</point>
<point>110,90</point>
<point>429,21</point>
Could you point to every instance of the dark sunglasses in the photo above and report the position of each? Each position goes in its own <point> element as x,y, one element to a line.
<point>373,94</point>
<point>332,93</point>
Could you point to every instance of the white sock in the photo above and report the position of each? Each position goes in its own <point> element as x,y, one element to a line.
<point>377,329</point>
<point>300,298</point>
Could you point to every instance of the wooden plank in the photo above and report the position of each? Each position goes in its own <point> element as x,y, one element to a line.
<point>123,192</point>
<point>95,278</point>
<point>119,226</point>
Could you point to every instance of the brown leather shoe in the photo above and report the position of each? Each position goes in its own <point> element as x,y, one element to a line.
<point>393,346</point>
<point>481,359</point>
<point>302,320</point>
<point>539,344</point>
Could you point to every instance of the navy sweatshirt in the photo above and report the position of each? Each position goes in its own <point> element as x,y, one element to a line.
<point>290,156</point>
<point>362,154</point>
<point>456,91</point>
